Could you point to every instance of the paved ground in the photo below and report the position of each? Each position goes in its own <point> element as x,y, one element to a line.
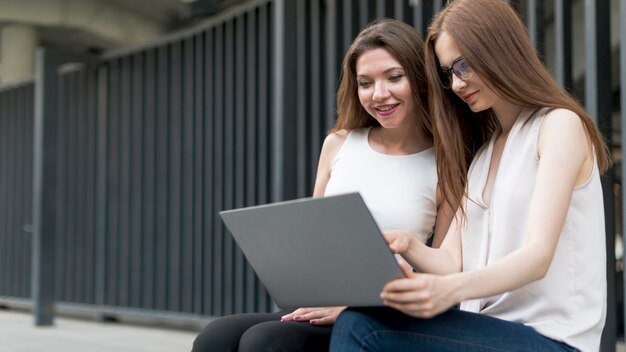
<point>18,334</point>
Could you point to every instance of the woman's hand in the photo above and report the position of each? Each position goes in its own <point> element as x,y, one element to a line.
<point>399,241</point>
<point>315,316</point>
<point>419,295</point>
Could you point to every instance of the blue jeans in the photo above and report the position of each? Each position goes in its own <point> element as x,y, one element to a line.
<point>386,329</point>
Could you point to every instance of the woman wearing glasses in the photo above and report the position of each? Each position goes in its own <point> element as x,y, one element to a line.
<point>521,161</point>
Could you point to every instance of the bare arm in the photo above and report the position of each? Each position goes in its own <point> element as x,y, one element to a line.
<point>445,213</point>
<point>564,163</point>
<point>438,259</point>
<point>441,259</point>
<point>332,144</point>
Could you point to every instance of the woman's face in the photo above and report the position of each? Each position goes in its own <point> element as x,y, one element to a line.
<point>472,91</point>
<point>384,89</point>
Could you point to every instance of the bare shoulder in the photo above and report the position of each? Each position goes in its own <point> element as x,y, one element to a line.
<point>562,121</point>
<point>334,141</point>
<point>563,129</point>
<point>337,136</point>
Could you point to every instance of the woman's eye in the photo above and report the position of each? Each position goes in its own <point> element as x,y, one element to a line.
<point>364,84</point>
<point>395,77</point>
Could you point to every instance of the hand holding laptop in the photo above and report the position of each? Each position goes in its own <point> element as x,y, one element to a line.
<point>398,242</point>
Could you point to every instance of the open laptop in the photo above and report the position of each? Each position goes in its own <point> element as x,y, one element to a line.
<point>315,252</point>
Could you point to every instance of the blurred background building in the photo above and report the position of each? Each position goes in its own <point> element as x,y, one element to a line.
<point>126,125</point>
<point>89,26</point>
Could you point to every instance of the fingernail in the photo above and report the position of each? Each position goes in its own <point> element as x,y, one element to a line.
<point>313,322</point>
<point>297,317</point>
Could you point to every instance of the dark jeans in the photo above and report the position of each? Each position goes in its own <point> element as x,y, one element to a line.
<point>385,329</point>
<point>256,332</point>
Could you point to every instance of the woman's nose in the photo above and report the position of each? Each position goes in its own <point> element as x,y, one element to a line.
<point>380,92</point>
<point>457,83</point>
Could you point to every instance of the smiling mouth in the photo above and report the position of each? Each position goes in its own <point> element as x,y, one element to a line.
<point>469,96</point>
<point>385,108</point>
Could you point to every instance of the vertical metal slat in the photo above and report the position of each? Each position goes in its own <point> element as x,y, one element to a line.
<point>241,142</point>
<point>113,182</point>
<point>316,101</point>
<point>149,181</point>
<point>598,103</point>
<point>563,41</point>
<point>535,24</point>
<point>125,198</point>
<point>302,93</point>
<point>162,179</point>
<point>90,184</point>
<point>251,56</point>
<point>101,185</point>
<point>137,178</point>
<point>266,58</point>
<point>175,181</point>
<point>209,277</point>
<point>218,180</point>
<point>199,238</point>
<point>188,156</point>
<point>229,162</point>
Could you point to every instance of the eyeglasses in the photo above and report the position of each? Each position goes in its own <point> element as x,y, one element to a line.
<point>460,68</point>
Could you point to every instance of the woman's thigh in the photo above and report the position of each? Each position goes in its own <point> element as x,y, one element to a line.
<point>224,333</point>
<point>385,329</point>
<point>286,336</point>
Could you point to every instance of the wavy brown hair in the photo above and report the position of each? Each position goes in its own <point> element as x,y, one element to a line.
<point>494,42</point>
<point>405,44</point>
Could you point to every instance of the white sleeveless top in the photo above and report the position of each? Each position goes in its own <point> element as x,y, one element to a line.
<point>569,303</point>
<point>399,190</point>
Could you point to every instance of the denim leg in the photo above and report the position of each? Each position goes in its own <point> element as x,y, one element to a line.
<point>385,329</point>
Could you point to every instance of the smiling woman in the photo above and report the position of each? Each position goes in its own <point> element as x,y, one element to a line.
<point>382,147</point>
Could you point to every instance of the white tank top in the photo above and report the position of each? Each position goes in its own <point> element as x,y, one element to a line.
<point>569,303</point>
<point>399,190</point>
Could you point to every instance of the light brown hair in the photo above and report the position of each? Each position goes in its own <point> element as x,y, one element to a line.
<point>494,42</point>
<point>405,44</point>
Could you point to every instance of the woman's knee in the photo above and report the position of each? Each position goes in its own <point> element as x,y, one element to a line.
<point>217,336</point>
<point>285,336</point>
<point>261,337</point>
<point>352,317</point>
<point>353,327</point>
<point>223,334</point>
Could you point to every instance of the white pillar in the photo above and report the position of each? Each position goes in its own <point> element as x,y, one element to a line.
<point>18,43</point>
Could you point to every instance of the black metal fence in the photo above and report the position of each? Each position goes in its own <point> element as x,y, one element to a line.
<point>145,145</point>
<point>152,144</point>
<point>16,181</point>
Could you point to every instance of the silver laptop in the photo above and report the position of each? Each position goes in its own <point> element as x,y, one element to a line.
<point>315,252</point>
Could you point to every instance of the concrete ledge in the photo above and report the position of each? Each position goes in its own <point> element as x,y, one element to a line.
<point>134,316</point>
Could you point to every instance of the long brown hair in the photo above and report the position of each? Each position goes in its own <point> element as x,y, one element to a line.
<point>405,44</point>
<point>494,42</point>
